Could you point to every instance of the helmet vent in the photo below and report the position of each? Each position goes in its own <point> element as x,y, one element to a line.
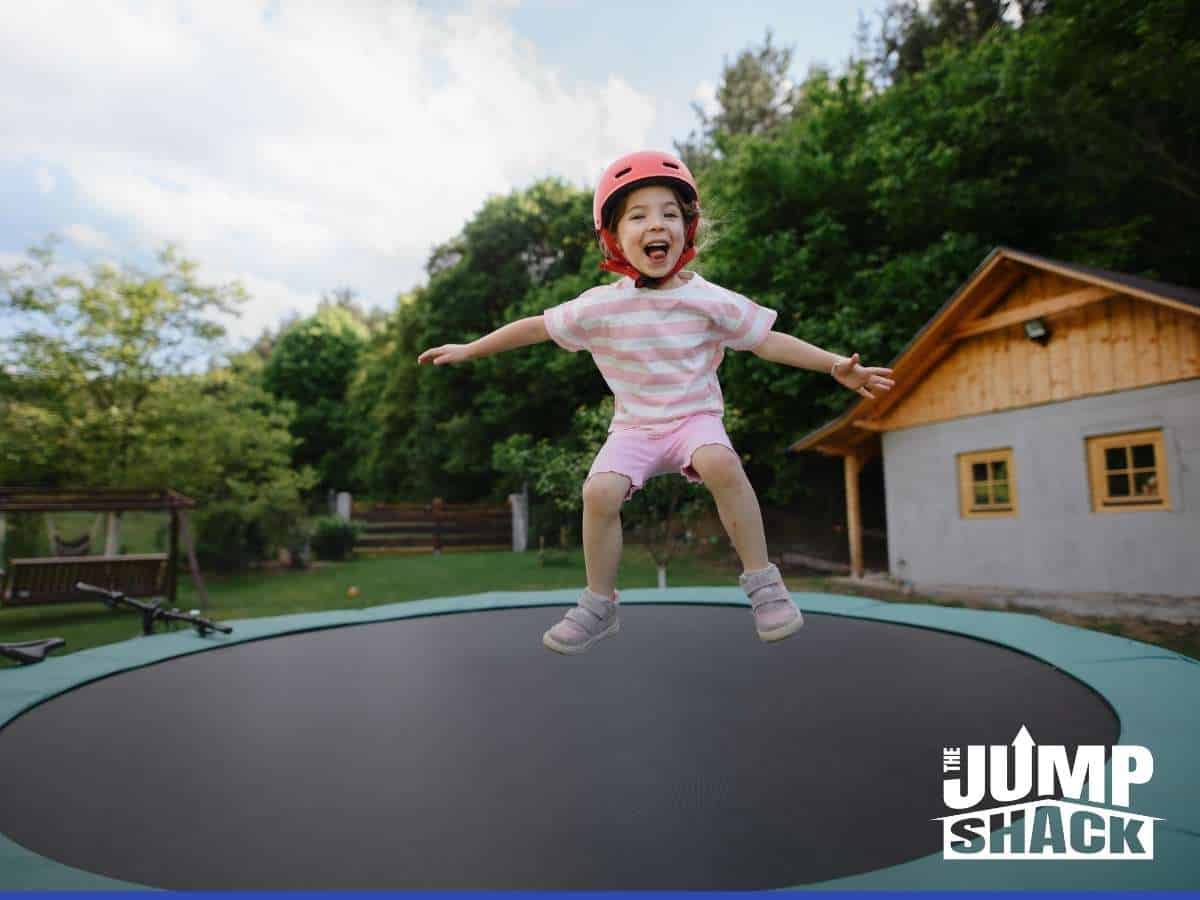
<point>624,172</point>
<point>670,165</point>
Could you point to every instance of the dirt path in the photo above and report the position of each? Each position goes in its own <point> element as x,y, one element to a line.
<point>1171,622</point>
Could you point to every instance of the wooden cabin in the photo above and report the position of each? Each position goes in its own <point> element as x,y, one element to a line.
<point>1043,434</point>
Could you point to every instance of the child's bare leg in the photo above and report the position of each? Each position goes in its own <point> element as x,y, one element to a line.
<point>737,504</point>
<point>603,495</point>
<point>776,615</point>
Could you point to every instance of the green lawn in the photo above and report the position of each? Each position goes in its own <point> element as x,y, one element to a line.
<point>380,580</point>
<point>393,579</point>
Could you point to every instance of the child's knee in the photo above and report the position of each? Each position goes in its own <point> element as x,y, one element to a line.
<point>604,493</point>
<point>717,465</point>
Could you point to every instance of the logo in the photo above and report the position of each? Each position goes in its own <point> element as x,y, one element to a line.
<point>1023,780</point>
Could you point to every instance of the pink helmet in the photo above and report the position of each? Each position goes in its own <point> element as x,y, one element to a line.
<point>629,170</point>
<point>635,167</point>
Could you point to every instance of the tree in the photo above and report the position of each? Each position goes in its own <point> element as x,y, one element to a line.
<point>222,439</point>
<point>754,97</point>
<point>87,354</point>
<point>96,393</point>
<point>660,513</point>
<point>312,365</point>
<point>855,215</point>
<point>432,430</point>
<point>909,34</point>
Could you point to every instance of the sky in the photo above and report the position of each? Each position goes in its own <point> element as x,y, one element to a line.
<point>301,147</point>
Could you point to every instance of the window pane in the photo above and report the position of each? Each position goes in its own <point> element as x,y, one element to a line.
<point>1002,493</point>
<point>999,471</point>
<point>1114,458</point>
<point>979,471</point>
<point>981,495</point>
<point>1118,485</point>
<point>1143,456</point>
<point>1145,484</point>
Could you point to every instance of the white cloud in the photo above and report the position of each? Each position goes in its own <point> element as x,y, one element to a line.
<point>282,145</point>
<point>44,180</point>
<point>270,302</point>
<point>88,238</point>
<point>706,95</point>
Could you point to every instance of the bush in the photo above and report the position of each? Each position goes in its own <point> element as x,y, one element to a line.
<point>25,536</point>
<point>298,543</point>
<point>333,538</point>
<point>228,538</point>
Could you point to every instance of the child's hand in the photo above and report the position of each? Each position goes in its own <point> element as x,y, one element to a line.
<point>862,379</point>
<point>445,355</point>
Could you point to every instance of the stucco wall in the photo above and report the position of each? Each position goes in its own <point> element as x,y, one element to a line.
<point>1056,542</point>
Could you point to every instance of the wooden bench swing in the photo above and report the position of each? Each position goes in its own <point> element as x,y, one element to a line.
<point>52,579</point>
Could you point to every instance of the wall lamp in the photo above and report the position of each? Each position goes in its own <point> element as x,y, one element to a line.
<point>1036,330</point>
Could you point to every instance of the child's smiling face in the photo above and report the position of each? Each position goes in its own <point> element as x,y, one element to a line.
<point>651,230</point>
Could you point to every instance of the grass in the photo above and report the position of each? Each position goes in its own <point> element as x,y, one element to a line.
<point>380,580</point>
<point>392,579</point>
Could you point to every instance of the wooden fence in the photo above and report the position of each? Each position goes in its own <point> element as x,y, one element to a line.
<point>432,527</point>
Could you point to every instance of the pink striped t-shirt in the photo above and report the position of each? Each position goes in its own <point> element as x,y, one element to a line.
<point>659,350</point>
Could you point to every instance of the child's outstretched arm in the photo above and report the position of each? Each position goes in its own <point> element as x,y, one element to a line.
<point>521,333</point>
<point>791,351</point>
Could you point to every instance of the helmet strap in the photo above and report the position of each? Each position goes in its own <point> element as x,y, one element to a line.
<point>616,262</point>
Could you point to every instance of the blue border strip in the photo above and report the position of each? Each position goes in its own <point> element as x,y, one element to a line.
<point>1154,692</point>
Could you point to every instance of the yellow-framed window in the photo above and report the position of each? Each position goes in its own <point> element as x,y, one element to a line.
<point>987,486</point>
<point>1128,471</point>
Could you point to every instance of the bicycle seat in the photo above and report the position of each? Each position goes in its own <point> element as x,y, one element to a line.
<point>28,652</point>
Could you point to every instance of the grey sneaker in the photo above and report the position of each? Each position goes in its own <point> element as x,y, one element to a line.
<point>776,615</point>
<point>593,618</point>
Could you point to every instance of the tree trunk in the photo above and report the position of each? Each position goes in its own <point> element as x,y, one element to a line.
<point>662,576</point>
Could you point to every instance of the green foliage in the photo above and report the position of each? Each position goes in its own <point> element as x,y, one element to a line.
<point>94,398</point>
<point>755,96</point>
<point>24,536</point>
<point>662,513</point>
<point>659,513</point>
<point>852,207</point>
<point>911,33</point>
<point>334,538</point>
<point>226,539</point>
<point>854,204</point>
<point>86,357</point>
<point>555,469</point>
<point>859,220</point>
<point>430,432</point>
<point>312,365</point>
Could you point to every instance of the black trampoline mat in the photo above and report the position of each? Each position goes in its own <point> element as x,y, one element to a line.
<point>456,752</point>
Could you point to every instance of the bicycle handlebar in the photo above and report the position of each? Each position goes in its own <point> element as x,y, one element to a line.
<point>153,611</point>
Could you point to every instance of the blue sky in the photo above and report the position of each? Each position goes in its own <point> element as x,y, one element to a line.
<point>299,147</point>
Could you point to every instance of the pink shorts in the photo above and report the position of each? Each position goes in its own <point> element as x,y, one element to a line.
<point>639,454</point>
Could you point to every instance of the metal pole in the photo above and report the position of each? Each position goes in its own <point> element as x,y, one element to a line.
<point>173,560</point>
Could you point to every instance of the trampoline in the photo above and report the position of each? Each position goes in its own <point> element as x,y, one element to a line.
<point>437,745</point>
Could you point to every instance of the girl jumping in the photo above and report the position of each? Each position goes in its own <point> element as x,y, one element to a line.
<point>658,336</point>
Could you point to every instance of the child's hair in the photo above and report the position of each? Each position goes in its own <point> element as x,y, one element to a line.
<point>615,208</point>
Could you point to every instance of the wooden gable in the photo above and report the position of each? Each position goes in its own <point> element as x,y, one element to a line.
<point>1107,332</point>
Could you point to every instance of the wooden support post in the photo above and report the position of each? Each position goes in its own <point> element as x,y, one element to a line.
<point>173,560</point>
<point>112,543</point>
<point>853,465</point>
<point>437,525</point>
<point>189,546</point>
